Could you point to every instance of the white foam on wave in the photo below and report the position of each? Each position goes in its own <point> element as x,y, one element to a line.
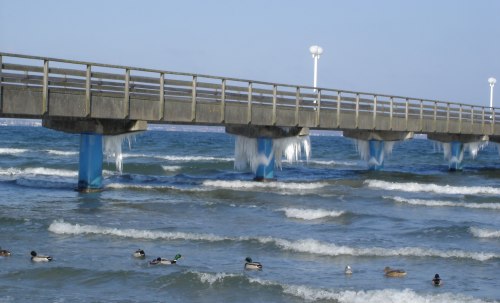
<point>236,184</point>
<point>171,168</point>
<point>151,187</point>
<point>38,171</point>
<point>440,203</point>
<point>212,278</point>
<point>193,158</point>
<point>12,151</point>
<point>434,188</point>
<point>333,163</point>
<point>62,152</point>
<point>310,214</point>
<point>484,233</point>
<point>303,246</point>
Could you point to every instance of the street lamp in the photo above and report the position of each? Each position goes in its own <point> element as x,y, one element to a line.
<point>492,82</point>
<point>316,51</point>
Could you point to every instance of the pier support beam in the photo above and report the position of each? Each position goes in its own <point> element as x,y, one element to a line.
<point>455,145</point>
<point>265,155</point>
<point>90,165</point>
<point>374,145</point>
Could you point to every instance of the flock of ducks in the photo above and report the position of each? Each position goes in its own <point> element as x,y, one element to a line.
<point>249,264</point>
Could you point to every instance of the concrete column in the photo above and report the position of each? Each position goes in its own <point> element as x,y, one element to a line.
<point>456,155</point>
<point>265,168</point>
<point>90,166</point>
<point>376,149</point>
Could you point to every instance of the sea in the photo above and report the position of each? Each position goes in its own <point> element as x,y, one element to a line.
<point>177,190</point>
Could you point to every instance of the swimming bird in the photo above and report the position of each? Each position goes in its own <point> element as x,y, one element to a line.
<point>36,258</point>
<point>389,272</point>
<point>4,253</point>
<point>165,261</point>
<point>139,253</point>
<point>348,270</point>
<point>252,265</point>
<point>437,280</point>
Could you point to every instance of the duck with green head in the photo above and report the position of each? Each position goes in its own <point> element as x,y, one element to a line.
<point>165,261</point>
<point>249,264</point>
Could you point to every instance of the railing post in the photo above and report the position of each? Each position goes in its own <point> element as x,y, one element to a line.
<point>338,108</point>
<point>472,118</point>
<point>1,86</point>
<point>421,114</point>
<point>482,122</point>
<point>391,111</point>
<point>162,96</point>
<point>126,97</point>
<point>45,89</point>
<point>357,111</point>
<point>435,116</point>
<point>88,86</point>
<point>223,101</point>
<point>297,103</point>
<point>193,99</point>
<point>406,112</point>
<point>249,105</point>
<point>275,93</point>
<point>448,117</point>
<point>374,124</point>
<point>318,110</point>
<point>493,121</point>
<point>460,119</point>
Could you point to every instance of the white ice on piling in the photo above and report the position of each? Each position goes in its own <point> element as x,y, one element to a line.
<point>246,151</point>
<point>112,148</point>
<point>472,148</point>
<point>363,149</point>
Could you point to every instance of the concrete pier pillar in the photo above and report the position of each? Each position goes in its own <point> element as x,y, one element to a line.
<point>90,166</point>
<point>456,155</point>
<point>265,168</point>
<point>376,149</point>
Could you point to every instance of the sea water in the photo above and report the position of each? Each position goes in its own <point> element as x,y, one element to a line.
<point>179,192</point>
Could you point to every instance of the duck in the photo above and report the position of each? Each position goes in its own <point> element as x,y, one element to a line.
<point>165,261</point>
<point>348,270</point>
<point>389,272</point>
<point>4,253</point>
<point>36,258</point>
<point>139,254</point>
<point>437,280</point>
<point>252,265</point>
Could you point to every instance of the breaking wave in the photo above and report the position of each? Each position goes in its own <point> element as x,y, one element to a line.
<point>303,246</point>
<point>434,188</point>
<point>251,184</point>
<point>12,151</point>
<point>440,203</point>
<point>484,233</point>
<point>310,214</point>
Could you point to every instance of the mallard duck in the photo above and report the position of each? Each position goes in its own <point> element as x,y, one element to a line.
<point>139,253</point>
<point>437,280</point>
<point>348,270</point>
<point>389,272</point>
<point>36,258</point>
<point>252,265</point>
<point>4,253</point>
<point>165,261</point>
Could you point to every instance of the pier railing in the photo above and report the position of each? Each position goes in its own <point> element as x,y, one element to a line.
<point>60,88</point>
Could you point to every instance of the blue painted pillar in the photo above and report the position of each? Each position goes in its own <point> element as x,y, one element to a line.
<point>265,154</point>
<point>90,168</point>
<point>456,155</point>
<point>376,161</point>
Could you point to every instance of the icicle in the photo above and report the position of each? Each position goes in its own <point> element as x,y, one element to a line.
<point>112,148</point>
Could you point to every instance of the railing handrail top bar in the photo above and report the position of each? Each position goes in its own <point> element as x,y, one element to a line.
<point>227,78</point>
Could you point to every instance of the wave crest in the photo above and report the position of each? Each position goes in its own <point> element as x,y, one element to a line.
<point>438,203</point>
<point>434,188</point>
<point>310,214</point>
<point>484,233</point>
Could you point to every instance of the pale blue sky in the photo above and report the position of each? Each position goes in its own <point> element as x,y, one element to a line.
<point>430,49</point>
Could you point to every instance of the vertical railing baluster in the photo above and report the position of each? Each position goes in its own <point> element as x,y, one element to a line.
<point>223,101</point>
<point>193,98</point>
<point>162,96</point>
<point>448,117</point>
<point>374,122</point>
<point>421,115</point>
<point>126,97</point>
<point>472,119</point>
<point>275,96</point>
<point>297,104</point>
<point>338,108</point>
<point>407,104</point>
<point>318,108</point>
<point>45,89</point>
<point>1,85</point>
<point>435,116</point>
<point>482,122</point>
<point>357,111</point>
<point>88,87</point>
<point>460,119</point>
<point>249,106</point>
<point>493,114</point>
<point>391,112</point>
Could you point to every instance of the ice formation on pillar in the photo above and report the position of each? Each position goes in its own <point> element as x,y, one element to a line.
<point>112,148</point>
<point>472,148</point>
<point>363,148</point>
<point>246,152</point>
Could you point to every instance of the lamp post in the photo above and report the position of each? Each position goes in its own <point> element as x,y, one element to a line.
<point>492,82</point>
<point>316,51</point>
